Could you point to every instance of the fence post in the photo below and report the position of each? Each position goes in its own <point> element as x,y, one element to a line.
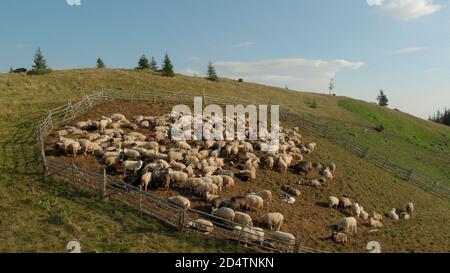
<point>103,182</point>
<point>181,216</point>
<point>409,175</point>
<point>140,200</point>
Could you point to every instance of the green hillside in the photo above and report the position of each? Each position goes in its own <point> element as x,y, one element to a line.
<point>25,226</point>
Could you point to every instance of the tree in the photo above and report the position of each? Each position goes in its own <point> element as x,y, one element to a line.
<point>382,99</point>
<point>167,68</point>
<point>143,63</point>
<point>39,60</point>
<point>153,64</point>
<point>211,73</point>
<point>100,63</point>
<point>40,64</point>
<point>442,117</point>
<point>331,86</point>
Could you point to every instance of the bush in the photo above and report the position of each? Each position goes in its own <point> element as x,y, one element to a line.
<point>312,103</point>
<point>19,70</point>
<point>240,80</point>
<point>40,71</point>
<point>379,128</point>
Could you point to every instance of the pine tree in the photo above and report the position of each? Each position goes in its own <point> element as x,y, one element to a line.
<point>100,63</point>
<point>167,69</point>
<point>442,117</point>
<point>382,99</point>
<point>39,60</point>
<point>211,73</point>
<point>153,64</point>
<point>143,63</point>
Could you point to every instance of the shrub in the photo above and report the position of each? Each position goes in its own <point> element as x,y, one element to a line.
<point>39,71</point>
<point>379,128</point>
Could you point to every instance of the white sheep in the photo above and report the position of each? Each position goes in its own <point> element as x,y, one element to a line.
<point>243,219</point>
<point>255,201</point>
<point>73,148</point>
<point>410,208</point>
<point>272,220</point>
<point>375,223</point>
<point>178,177</point>
<point>333,202</point>
<point>225,213</point>
<point>146,179</point>
<point>131,165</point>
<point>348,224</point>
<point>377,216</point>
<point>283,237</point>
<point>266,195</point>
<point>180,201</point>
<point>356,210</point>
<point>202,225</point>
<point>393,215</point>
<point>132,154</point>
<point>228,181</point>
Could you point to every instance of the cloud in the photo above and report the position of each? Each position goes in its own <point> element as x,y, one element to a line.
<point>191,72</point>
<point>73,2</point>
<point>406,9</point>
<point>407,50</point>
<point>244,44</point>
<point>298,73</point>
<point>194,59</point>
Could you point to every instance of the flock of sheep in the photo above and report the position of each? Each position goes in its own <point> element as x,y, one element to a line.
<point>203,169</point>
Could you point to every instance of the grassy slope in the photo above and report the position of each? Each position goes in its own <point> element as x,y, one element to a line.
<point>25,227</point>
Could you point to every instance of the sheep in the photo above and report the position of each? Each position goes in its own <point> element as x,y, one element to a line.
<point>266,195</point>
<point>216,202</point>
<point>224,213</point>
<point>174,156</point>
<point>327,173</point>
<point>180,201</point>
<point>131,154</point>
<point>375,223</point>
<point>303,168</point>
<point>109,154</point>
<point>202,225</point>
<point>410,208</point>
<point>282,166</point>
<point>163,164</point>
<point>290,190</point>
<point>332,167</point>
<point>364,214</point>
<point>393,215</point>
<point>81,125</point>
<point>311,146</point>
<point>111,161</point>
<point>283,237</point>
<point>218,180</point>
<point>161,179</point>
<point>103,124</point>
<point>333,202</point>
<point>178,177</point>
<point>404,215</point>
<point>137,135</point>
<point>239,202</point>
<point>228,181</point>
<point>344,203</point>
<point>177,166</point>
<point>272,220</point>
<point>377,216</point>
<point>134,166</point>
<point>243,219</point>
<point>339,237</point>
<point>269,161</point>
<point>256,202</point>
<point>205,188</point>
<point>356,210</point>
<point>73,148</point>
<point>246,175</point>
<point>146,179</point>
<point>348,224</point>
<point>183,145</point>
<point>118,117</point>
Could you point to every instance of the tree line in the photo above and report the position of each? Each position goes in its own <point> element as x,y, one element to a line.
<point>40,66</point>
<point>442,117</point>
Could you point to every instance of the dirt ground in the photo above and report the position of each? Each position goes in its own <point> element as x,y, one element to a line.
<point>309,218</point>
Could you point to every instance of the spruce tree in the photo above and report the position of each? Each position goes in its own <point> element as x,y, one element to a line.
<point>153,64</point>
<point>382,99</point>
<point>100,63</point>
<point>39,61</point>
<point>143,63</point>
<point>167,69</point>
<point>211,73</point>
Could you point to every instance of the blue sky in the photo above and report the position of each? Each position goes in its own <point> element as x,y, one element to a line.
<point>401,46</point>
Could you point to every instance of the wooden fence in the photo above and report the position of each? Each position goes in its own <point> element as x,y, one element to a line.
<point>175,216</point>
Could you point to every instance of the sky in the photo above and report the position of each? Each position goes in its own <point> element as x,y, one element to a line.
<point>400,46</point>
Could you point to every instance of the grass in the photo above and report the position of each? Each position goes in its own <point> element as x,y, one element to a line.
<point>110,227</point>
